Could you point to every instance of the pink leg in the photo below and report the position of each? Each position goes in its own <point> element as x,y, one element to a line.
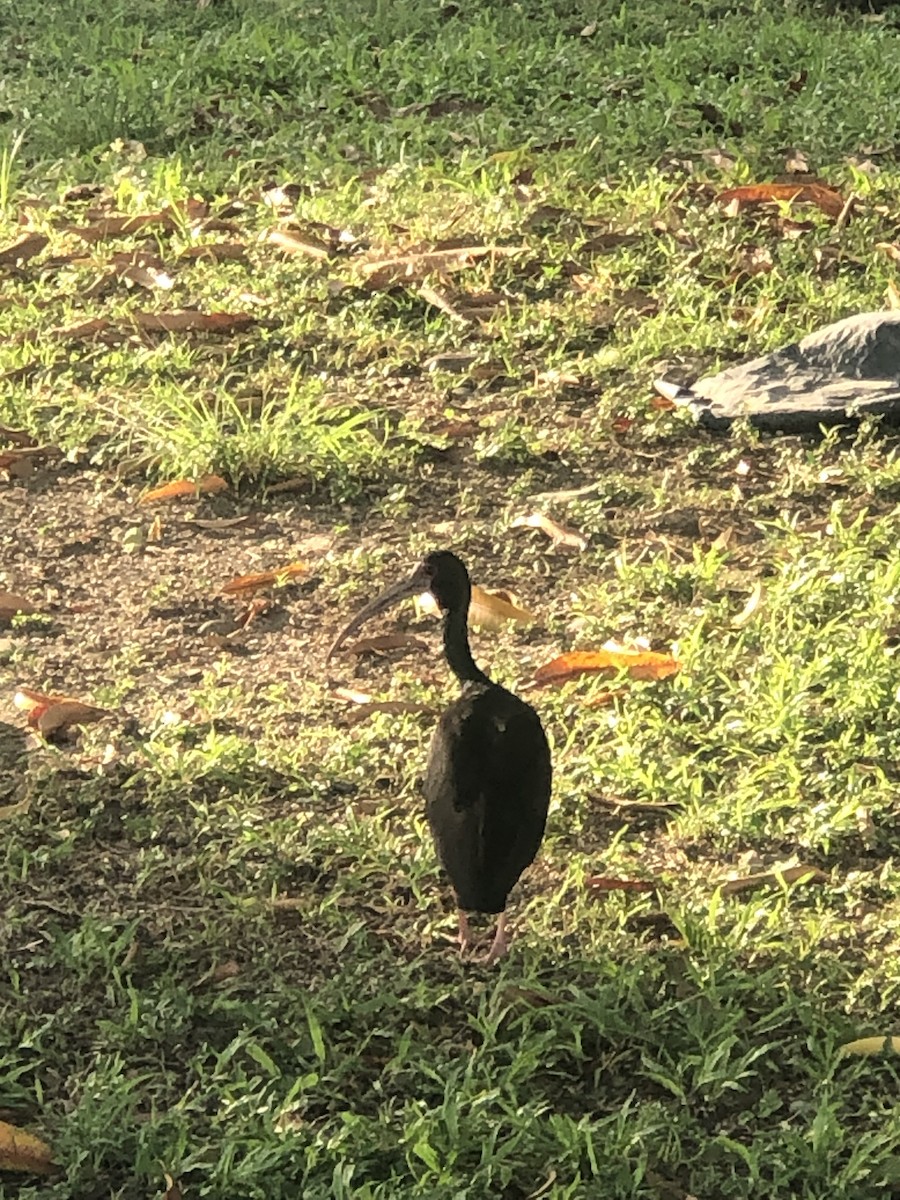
<point>465,934</point>
<point>499,946</point>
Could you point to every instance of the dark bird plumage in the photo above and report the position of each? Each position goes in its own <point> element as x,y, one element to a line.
<point>487,785</point>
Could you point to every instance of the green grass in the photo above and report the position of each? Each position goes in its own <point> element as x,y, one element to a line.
<point>227,951</point>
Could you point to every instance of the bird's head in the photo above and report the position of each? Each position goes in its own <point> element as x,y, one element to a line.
<point>441,573</point>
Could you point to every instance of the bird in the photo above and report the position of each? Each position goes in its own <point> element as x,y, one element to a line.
<point>489,773</point>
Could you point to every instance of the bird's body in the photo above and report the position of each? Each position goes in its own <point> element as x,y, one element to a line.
<point>489,775</point>
<point>487,788</point>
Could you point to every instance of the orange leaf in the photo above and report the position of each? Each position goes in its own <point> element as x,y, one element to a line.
<point>21,1151</point>
<point>830,201</point>
<point>185,487</point>
<point>258,580</point>
<point>48,714</point>
<point>640,664</point>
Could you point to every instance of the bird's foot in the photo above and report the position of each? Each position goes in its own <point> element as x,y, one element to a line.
<point>465,934</point>
<point>499,945</point>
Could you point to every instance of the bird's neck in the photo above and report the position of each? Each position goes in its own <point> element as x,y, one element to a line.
<point>456,648</point>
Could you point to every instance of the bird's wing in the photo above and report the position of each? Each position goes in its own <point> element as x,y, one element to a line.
<point>490,768</point>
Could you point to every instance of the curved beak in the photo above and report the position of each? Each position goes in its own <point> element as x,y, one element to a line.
<point>417,583</point>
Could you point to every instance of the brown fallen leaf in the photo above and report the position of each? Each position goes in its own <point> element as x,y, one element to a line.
<point>608,883</point>
<point>209,484</point>
<point>415,266</point>
<point>25,248</point>
<point>96,327</point>
<point>170,218</point>
<point>556,532</point>
<point>827,199</point>
<point>868,1046</point>
<point>780,877</point>
<point>173,1190</point>
<point>891,249</point>
<point>11,605</point>
<point>892,296</point>
<point>640,664</point>
<point>21,1151</point>
<point>257,581</point>
<point>442,301</point>
<point>384,642</point>
<point>219,973</point>
<point>301,244</point>
<point>64,714</point>
<point>392,707</point>
<point>20,438</point>
<point>191,321</point>
<point>215,252</point>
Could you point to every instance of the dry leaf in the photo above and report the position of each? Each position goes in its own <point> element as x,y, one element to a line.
<point>219,522</point>
<point>302,244</point>
<point>386,641</point>
<point>780,877</point>
<point>11,605</point>
<point>607,883</point>
<point>640,664</point>
<point>830,201</point>
<point>185,487</point>
<point>441,301</point>
<point>259,580</point>
<point>25,248</point>
<point>392,707</point>
<point>21,1151</point>
<point>215,252</point>
<point>173,1190</point>
<point>351,694</point>
<point>487,610</point>
<point>96,327</point>
<point>558,533</point>
<point>64,714</point>
<point>170,218</point>
<point>753,603</point>
<point>191,321</point>
<point>891,249</point>
<point>15,810</point>
<point>892,295</point>
<point>869,1046</point>
<point>415,266</point>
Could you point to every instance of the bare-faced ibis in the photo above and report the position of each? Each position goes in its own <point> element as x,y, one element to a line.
<point>487,785</point>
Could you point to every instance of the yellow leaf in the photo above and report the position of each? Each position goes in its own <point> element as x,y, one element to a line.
<point>487,610</point>
<point>15,810</point>
<point>867,1046</point>
<point>21,1151</point>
